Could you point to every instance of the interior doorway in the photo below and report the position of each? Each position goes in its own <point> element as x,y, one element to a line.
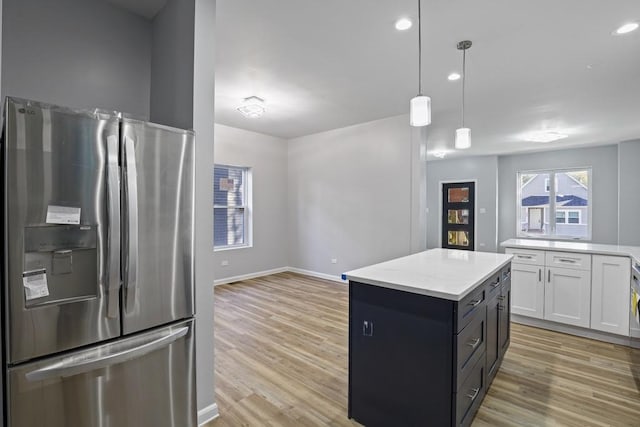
<point>458,215</point>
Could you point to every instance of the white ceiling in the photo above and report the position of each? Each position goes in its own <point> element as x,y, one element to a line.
<point>145,8</point>
<point>543,64</point>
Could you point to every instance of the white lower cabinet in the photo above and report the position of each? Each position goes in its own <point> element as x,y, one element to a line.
<point>527,290</point>
<point>610,294</point>
<point>567,296</point>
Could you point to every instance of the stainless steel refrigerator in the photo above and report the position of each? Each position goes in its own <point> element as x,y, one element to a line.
<point>97,270</point>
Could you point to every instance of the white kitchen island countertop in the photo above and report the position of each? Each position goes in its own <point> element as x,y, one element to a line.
<point>442,273</point>
<point>581,247</point>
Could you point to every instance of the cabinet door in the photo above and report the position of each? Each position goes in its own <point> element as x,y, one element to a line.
<point>527,282</point>
<point>493,345</point>
<point>610,294</point>
<point>567,296</point>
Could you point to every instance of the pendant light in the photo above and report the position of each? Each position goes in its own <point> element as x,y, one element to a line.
<point>463,134</point>
<point>420,105</point>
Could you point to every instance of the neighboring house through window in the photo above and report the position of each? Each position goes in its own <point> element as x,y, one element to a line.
<point>231,207</point>
<point>561,210</point>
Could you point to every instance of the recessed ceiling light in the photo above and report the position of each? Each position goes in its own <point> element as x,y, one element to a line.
<point>545,136</point>
<point>454,76</point>
<point>403,24</point>
<point>252,107</point>
<point>627,28</point>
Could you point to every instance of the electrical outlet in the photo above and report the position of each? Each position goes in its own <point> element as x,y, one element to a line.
<point>224,263</point>
<point>483,211</point>
<point>334,260</point>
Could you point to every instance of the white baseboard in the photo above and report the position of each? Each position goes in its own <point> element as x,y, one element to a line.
<point>573,330</point>
<point>207,414</point>
<point>257,274</point>
<point>248,276</point>
<point>316,274</point>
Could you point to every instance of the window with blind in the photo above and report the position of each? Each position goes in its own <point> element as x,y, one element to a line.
<point>231,210</point>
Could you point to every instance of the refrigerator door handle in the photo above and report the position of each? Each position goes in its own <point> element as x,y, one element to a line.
<point>113,248</point>
<point>81,363</point>
<point>132,224</point>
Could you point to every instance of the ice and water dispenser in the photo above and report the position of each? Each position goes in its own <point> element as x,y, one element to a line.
<point>60,264</point>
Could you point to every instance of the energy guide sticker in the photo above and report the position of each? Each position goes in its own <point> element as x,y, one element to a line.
<point>63,215</point>
<point>35,284</point>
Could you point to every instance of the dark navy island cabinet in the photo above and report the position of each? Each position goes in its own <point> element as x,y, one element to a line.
<point>417,360</point>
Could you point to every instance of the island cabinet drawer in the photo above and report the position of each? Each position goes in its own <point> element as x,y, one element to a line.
<point>467,308</point>
<point>470,395</point>
<point>569,260</point>
<point>526,256</point>
<point>493,284</point>
<point>471,346</point>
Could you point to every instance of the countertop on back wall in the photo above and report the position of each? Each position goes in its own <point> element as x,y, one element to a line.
<point>442,273</point>
<point>581,247</point>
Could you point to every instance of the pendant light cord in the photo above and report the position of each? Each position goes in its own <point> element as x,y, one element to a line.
<point>419,51</point>
<point>464,77</point>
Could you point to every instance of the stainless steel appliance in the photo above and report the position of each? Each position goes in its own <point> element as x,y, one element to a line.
<point>97,270</point>
<point>634,320</point>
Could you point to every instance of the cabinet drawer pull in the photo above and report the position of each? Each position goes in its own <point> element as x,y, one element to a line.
<point>475,393</point>
<point>474,303</point>
<point>567,260</point>
<point>473,344</point>
<point>496,283</point>
<point>524,256</point>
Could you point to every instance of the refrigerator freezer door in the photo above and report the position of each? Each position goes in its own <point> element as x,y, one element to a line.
<point>147,380</point>
<point>158,227</point>
<point>60,188</point>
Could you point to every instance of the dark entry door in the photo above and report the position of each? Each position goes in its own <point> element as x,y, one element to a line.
<point>458,215</point>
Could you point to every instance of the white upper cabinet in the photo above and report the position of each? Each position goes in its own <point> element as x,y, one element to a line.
<point>610,293</point>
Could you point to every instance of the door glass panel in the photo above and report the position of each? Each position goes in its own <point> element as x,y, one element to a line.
<point>458,216</point>
<point>458,238</point>
<point>458,195</point>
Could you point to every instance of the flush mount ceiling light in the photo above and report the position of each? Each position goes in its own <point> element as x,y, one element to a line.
<point>403,24</point>
<point>454,76</point>
<point>463,134</point>
<point>420,105</point>
<point>627,28</point>
<point>439,154</point>
<point>252,107</point>
<point>545,136</point>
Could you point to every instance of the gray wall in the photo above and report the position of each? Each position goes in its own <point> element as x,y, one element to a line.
<point>203,115</point>
<point>77,53</point>
<point>629,227</point>
<point>172,65</point>
<point>267,158</point>
<point>484,169</point>
<point>604,163</point>
<point>350,196</point>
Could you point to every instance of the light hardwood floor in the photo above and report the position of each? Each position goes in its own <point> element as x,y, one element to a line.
<point>281,360</point>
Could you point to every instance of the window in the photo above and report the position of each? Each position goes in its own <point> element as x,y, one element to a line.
<point>231,207</point>
<point>555,204</point>
<point>567,217</point>
<point>547,188</point>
